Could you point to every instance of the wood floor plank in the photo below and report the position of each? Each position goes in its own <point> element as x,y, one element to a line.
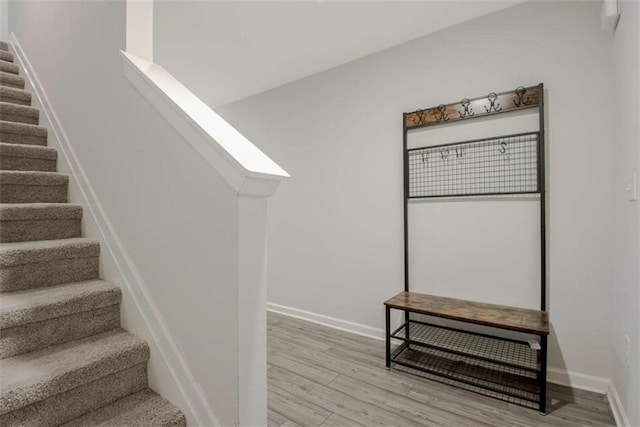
<point>297,409</point>
<point>336,420</point>
<point>423,414</point>
<point>304,340</point>
<point>274,419</point>
<point>304,355</point>
<point>335,401</point>
<point>305,369</point>
<point>373,375</point>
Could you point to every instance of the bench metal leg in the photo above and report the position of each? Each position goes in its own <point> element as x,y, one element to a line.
<point>388,336</point>
<point>543,375</point>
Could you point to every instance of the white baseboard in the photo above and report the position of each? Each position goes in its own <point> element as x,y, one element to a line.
<point>332,322</point>
<point>554,375</point>
<point>578,380</point>
<point>136,287</point>
<point>619,414</point>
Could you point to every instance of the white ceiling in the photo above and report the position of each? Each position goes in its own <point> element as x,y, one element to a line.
<point>228,50</point>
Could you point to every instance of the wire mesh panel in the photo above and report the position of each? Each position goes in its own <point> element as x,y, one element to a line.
<point>493,166</point>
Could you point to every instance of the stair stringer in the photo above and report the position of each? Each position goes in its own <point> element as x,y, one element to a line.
<point>168,372</point>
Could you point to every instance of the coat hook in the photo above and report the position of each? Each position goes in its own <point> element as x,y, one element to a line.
<point>503,148</point>
<point>520,91</point>
<point>442,110</point>
<point>467,111</point>
<point>419,117</point>
<point>494,106</point>
<point>444,154</point>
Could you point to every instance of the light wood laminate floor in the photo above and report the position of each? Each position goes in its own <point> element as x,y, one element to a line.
<point>319,376</point>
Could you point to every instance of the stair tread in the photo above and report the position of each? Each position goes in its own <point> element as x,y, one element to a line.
<point>34,211</point>
<point>11,80</point>
<point>34,305</point>
<point>17,109</point>
<point>33,178</point>
<point>16,93</point>
<point>6,55</point>
<point>145,408</point>
<point>9,67</point>
<point>20,253</point>
<point>35,376</point>
<point>22,128</point>
<point>30,151</point>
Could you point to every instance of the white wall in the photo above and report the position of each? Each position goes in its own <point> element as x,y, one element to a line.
<point>626,295</point>
<point>4,20</point>
<point>176,218</point>
<point>228,50</point>
<point>336,230</point>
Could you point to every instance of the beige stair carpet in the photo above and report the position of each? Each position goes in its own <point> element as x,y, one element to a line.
<point>64,360</point>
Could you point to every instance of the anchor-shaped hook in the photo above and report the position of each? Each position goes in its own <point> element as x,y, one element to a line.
<point>520,91</point>
<point>467,111</point>
<point>425,157</point>
<point>444,154</point>
<point>494,106</point>
<point>442,111</point>
<point>459,153</point>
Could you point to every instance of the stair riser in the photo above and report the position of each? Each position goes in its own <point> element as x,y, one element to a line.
<point>38,335</point>
<point>20,138</point>
<point>6,56</point>
<point>48,273</point>
<point>39,229</point>
<point>71,404</point>
<point>10,163</point>
<point>20,118</point>
<point>16,193</point>
<point>9,67</point>
<point>12,80</point>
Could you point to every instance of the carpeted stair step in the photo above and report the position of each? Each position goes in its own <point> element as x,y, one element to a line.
<point>4,46</point>
<point>6,56</point>
<point>21,157</point>
<point>26,265</point>
<point>9,67</point>
<point>24,222</point>
<point>11,80</point>
<point>60,383</point>
<point>37,318</point>
<point>22,133</point>
<point>33,187</point>
<point>19,113</point>
<point>144,408</point>
<point>15,96</point>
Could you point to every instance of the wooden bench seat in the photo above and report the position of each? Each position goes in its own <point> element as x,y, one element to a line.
<point>499,316</point>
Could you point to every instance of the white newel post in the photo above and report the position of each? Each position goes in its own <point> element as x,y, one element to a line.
<point>252,311</point>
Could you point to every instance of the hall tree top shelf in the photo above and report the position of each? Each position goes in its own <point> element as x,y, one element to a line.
<point>504,317</point>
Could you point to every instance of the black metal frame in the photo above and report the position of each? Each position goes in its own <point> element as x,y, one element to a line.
<point>439,115</point>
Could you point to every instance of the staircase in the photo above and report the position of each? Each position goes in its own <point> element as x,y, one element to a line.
<point>64,358</point>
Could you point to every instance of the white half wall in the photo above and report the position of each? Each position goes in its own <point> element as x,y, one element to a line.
<point>336,229</point>
<point>182,244</point>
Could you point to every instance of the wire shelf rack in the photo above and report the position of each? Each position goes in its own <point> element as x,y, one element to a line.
<point>502,351</point>
<point>502,382</point>
<point>493,166</point>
